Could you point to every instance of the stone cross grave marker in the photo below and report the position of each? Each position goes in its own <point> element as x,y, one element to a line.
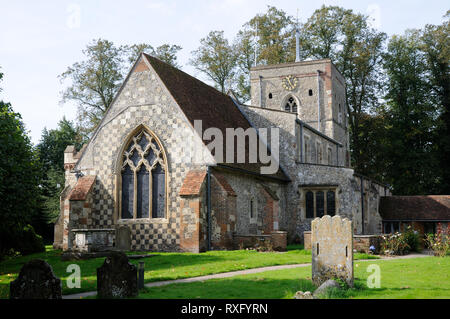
<point>36,281</point>
<point>117,278</point>
<point>332,249</point>
<point>123,238</point>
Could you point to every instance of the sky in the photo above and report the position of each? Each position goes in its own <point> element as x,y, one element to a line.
<point>40,39</point>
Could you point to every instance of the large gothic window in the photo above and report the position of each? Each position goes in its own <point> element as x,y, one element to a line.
<point>291,105</point>
<point>143,174</point>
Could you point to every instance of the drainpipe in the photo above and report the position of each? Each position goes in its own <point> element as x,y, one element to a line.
<point>208,205</point>
<point>318,100</point>
<point>362,204</point>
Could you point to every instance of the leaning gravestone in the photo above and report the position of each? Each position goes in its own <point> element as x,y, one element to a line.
<point>332,249</point>
<point>117,278</point>
<point>123,238</point>
<point>36,281</point>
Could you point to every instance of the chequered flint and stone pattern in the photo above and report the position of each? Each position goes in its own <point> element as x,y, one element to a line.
<point>143,100</point>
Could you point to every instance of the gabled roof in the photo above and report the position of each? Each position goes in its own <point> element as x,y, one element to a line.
<point>82,188</point>
<point>192,183</point>
<point>200,101</point>
<point>410,208</point>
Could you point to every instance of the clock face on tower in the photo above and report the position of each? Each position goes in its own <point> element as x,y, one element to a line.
<point>290,82</point>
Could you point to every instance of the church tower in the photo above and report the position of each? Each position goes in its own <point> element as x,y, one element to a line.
<point>314,90</point>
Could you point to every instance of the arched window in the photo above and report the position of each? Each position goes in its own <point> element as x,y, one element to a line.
<point>290,105</point>
<point>143,178</point>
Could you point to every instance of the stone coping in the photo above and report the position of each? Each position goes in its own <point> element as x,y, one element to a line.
<point>94,230</point>
<point>253,235</point>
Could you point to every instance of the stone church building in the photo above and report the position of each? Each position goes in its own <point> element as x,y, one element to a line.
<point>148,171</point>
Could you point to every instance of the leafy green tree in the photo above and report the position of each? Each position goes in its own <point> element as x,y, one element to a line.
<point>374,146</point>
<point>356,49</point>
<point>53,143</point>
<point>51,152</point>
<point>436,46</point>
<point>411,158</point>
<point>166,52</point>
<point>216,59</point>
<point>94,82</point>
<point>275,31</point>
<point>19,178</point>
<point>244,46</point>
<point>268,38</point>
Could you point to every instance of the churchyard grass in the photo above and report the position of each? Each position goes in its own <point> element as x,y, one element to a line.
<point>160,266</point>
<point>427,277</point>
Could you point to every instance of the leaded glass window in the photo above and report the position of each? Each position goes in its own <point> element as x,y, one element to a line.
<point>320,204</point>
<point>309,205</point>
<point>331,203</point>
<point>143,178</point>
<point>291,105</point>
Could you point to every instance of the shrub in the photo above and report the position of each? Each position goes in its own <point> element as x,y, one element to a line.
<point>439,243</point>
<point>412,238</point>
<point>29,242</point>
<point>394,244</point>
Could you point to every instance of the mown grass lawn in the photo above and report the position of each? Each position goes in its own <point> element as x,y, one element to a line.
<point>160,266</point>
<point>400,279</point>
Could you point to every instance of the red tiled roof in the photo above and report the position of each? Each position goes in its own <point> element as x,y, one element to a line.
<point>200,101</point>
<point>415,208</point>
<point>225,185</point>
<point>82,188</point>
<point>192,183</point>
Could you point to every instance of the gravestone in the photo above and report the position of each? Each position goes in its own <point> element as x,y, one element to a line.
<point>123,238</point>
<point>332,249</point>
<point>36,281</point>
<point>117,278</point>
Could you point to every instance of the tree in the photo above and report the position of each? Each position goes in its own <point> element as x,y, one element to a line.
<point>51,153</point>
<point>244,47</point>
<point>166,52</point>
<point>94,82</point>
<point>275,32</point>
<point>436,46</point>
<point>53,143</point>
<point>216,59</point>
<point>411,158</point>
<point>356,49</point>
<point>19,178</point>
<point>267,38</point>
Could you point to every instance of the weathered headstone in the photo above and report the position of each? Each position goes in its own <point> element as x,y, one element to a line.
<point>36,281</point>
<point>329,284</point>
<point>332,249</point>
<point>123,238</point>
<point>117,278</point>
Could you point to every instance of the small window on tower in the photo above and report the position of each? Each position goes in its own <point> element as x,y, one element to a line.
<point>291,105</point>
<point>310,92</point>
<point>270,95</point>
